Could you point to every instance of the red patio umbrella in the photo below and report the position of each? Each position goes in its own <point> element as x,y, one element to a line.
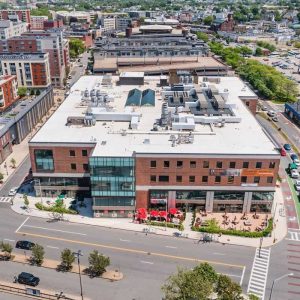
<point>154,213</point>
<point>173,211</point>
<point>163,213</point>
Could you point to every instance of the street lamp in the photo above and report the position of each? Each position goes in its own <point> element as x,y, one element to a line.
<point>277,279</point>
<point>78,254</point>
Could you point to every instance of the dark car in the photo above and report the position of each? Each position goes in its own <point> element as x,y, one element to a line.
<point>27,278</point>
<point>26,245</point>
<point>287,147</point>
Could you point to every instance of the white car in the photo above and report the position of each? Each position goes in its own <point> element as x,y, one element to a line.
<point>13,191</point>
<point>296,162</point>
<point>294,174</point>
<point>297,188</point>
<point>297,182</point>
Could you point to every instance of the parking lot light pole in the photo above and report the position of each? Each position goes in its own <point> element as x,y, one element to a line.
<point>277,279</point>
<point>78,254</point>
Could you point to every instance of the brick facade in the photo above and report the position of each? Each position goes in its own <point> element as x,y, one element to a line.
<point>8,91</point>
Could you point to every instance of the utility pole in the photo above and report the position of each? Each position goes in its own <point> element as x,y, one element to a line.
<point>78,254</point>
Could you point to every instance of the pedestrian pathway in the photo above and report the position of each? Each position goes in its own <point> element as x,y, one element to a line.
<point>188,221</point>
<point>259,273</point>
<point>5,199</point>
<point>293,235</point>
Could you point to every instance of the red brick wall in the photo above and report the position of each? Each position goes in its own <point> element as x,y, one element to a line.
<point>143,171</point>
<point>251,105</point>
<point>39,76</point>
<point>16,46</point>
<point>62,158</point>
<point>9,98</point>
<point>142,199</point>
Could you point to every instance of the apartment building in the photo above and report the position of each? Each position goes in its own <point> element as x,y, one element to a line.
<point>22,14</point>
<point>8,91</point>
<point>193,144</point>
<point>32,70</point>
<point>51,43</point>
<point>37,22</point>
<point>9,29</point>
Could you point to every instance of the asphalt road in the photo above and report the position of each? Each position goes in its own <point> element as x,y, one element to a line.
<point>78,71</point>
<point>145,260</point>
<point>17,178</point>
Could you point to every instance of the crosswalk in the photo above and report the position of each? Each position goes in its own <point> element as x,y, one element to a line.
<point>293,235</point>
<point>5,199</point>
<point>259,273</point>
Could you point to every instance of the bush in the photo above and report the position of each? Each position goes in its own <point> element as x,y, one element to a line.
<point>169,225</point>
<point>67,259</point>
<point>217,230</point>
<point>37,255</point>
<point>55,208</point>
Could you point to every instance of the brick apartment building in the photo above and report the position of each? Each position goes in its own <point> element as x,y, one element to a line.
<point>51,43</point>
<point>32,70</point>
<point>37,22</point>
<point>190,145</point>
<point>8,91</point>
<point>22,14</point>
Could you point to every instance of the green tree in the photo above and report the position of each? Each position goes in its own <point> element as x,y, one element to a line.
<point>258,51</point>
<point>278,16</point>
<point>22,91</point>
<point>297,45</point>
<point>41,11</point>
<point>38,92</point>
<point>202,36</point>
<point>67,259</point>
<point>1,177</point>
<point>252,297</point>
<point>6,247</point>
<point>76,47</point>
<point>97,263</point>
<point>37,255</point>
<point>26,200</point>
<point>227,289</point>
<point>208,20</point>
<point>13,162</point>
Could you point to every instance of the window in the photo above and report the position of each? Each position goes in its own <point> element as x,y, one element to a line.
<point>246,164</point>
<point>243,179</point>
<point>206,164</point>
<point>84,152</point>
<point>152,178</point>
<point>269,179</point>
<point>166,164</point>
<point>204,178</point>
<point>179,178</point>
<point>85,167</point>
<point>267,196</point>
<point>229,195</point>
<point>256,179</point>
<point>217,179</point>
<point>73,166</point>
<point>272,164</point>
<point>258,165</point>
<point>153,163</point>
<point>230,179</point>
<point>44,160</point>
<point>232,165</point>
<point>163,178</point>
<point>72,152</point>
<point>179,163</point>
<point>193,164</point>
<point>219,164</point>
<point>192,178</point>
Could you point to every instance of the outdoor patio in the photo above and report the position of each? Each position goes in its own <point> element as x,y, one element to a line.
<point>251,222</point>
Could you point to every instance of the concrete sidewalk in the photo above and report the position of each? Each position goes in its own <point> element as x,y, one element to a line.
<point>279,232</point>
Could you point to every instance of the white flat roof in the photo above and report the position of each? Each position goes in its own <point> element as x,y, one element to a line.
<point>244,138</point>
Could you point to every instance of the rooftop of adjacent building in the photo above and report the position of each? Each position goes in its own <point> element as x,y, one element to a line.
<point>115,138</point>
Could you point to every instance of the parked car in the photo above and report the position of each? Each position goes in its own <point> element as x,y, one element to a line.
<point>13,191</point>
<point>294,156</point>
<point>271,113</point>
<point>27,278</point>
<point>26,245</point>
<point>287,147</point>
<point>294,173</point>
<point>297,182</point>
<point>282,152</point>
<point>275,119</point>
<point>264,108</point>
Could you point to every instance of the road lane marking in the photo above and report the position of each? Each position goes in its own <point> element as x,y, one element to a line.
<point>243,274</point>
<point>124,240</point>
<point>147,262</point>
<point>171,247</point>
<point>22,224</point>
<point>9,240</point>
<point>52,247</point>
<point>50,229</point>
<point>217,253</point>
<point>132,250</point>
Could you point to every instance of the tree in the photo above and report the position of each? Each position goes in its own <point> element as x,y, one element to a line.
<point>13,162</point>
<point>258,51</point>
<point>227,289</point>
<point>1,177</point>
<point>278,16</point>
<point>208,20</point>
<point>22,91</point>
<point>76,47</point>
<point>26,200</point>
<point>37,255</point>
<point>7,248</point>
<point>38,92</point>
<point>97,263</point>
<point>202,36</point>
<point>252,297</point>
<point>297,45</point>
<point>67,259</point>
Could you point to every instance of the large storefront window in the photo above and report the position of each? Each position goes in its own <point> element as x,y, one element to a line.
<point>231,208</point>
<point>228,195</point>
<point>263,196</point>
<point>112,176</point>
<point>191,195</point>
<point>65,181</point>
<point>158,199</point>
<point>261,208</point>
<point>44,160</point>
<point>124,201</point>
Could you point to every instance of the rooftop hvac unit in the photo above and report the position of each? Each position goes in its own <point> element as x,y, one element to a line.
<point>146,141</point>
<point>86,93</point>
